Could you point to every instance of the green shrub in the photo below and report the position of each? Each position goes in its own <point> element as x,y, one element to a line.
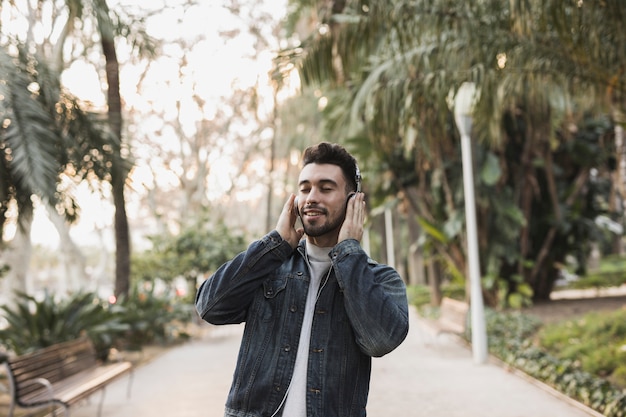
<point>609,274</point>
<point>154,316</point>
<point>599,280</point>
<point>511,336</point>
<point>584,359</point>
<point>142,318</point>
<point>596,341</point>
<point>418,295</point>
<point>34,324</point>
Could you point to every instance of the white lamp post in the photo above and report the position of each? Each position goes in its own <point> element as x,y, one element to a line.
<point>463,106</point>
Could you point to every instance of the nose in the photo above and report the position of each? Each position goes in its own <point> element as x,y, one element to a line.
<point>311,197</point>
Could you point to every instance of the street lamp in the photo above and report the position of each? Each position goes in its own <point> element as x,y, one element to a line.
<point>463,105</point>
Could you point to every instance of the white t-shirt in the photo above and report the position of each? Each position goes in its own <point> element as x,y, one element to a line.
<point>319,266</point>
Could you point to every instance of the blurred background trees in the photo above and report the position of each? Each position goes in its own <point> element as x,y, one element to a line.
<point>203,142</point>
<point>548,136</point>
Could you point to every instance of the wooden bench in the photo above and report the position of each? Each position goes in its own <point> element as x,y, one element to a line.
<point>452,319</point>
<point>60,375</point>
<point>452,316</point>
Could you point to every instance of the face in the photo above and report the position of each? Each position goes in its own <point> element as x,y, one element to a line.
<point>322,201</point>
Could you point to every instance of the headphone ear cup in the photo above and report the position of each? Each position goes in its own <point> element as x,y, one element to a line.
<point>350,195</point>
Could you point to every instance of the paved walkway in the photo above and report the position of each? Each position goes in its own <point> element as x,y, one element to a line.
<point>426,376</point>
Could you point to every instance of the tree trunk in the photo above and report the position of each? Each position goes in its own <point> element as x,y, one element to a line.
<point>434,282</point>
<point>119,170</point>
<point>617,184</point>
<point>416,270</point>
<point>72,258</point>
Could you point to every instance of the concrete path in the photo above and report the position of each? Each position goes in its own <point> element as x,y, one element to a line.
<point>426,376</point>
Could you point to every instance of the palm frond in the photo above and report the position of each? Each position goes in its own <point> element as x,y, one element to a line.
<point>29,134</point>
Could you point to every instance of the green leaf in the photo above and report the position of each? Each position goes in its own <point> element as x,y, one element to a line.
<point>432,230</point>
<point>490,172</point>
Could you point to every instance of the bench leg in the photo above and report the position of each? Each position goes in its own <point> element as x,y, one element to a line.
<point>101,401</point>
<point>131,374</point>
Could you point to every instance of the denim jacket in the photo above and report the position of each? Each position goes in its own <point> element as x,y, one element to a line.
<point>361,313</point>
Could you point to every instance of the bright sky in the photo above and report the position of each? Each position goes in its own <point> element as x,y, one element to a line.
<point>215,67</point>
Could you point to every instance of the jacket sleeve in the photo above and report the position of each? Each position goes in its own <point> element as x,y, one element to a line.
<point>375,299</point>
<point>224,297</point>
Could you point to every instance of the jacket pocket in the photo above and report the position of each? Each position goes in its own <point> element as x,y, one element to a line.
<point>273,290</point>
<point>272,287</point>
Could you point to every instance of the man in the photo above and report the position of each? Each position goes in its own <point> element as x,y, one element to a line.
<point>316,309</point>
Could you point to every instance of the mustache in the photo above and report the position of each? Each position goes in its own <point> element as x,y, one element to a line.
<point>314,207</point>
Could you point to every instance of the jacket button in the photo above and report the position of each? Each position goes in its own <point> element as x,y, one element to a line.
<point>287,348</point>
<point>269,292</point>
<point>293,309</point>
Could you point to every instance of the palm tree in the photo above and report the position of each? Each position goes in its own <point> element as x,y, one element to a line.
<point>114,160</point>
<point>120,166</point>
<point>45,136</point>
<point>399,62</point>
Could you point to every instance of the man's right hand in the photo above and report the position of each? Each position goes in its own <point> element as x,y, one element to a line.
<point>286,226</point>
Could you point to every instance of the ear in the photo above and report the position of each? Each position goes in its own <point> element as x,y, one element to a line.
<point>295,206</point>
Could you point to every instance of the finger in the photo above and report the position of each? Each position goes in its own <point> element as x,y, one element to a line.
<point>287,219</point>
<point>362,208</point>
<point>289,203</point>
<point>359,214</point>
<point>357,206</point>
<point>290,207</point>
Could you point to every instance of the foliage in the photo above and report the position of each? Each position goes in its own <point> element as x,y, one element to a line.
<point>596,342</point>
<point>572,356</point>
<point>542,125</point>
<point>146,316</point>
<point>153,315</point>
<point>599,280</point>
<point>46,134</point>
<point>418,295</point>
<point>34,323</point>
<point>511,336</point>
<point>197,250</point>
<point>37,139</point>
<point>610,273</point>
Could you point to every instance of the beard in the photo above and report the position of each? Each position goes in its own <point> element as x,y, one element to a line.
<point>317,228</point>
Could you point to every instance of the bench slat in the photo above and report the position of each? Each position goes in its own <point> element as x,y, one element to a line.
<point>81,385</point>
<point>54,363</point>
<point>453,315</point>
<point>70,367</point>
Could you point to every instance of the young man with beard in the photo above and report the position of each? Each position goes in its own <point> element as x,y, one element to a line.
<point>317,309</point>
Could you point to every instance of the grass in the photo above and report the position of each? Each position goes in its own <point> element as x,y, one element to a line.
<point>611,272</point>
<point>596,342</point>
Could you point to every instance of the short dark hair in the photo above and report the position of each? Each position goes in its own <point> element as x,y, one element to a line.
<point>332,153</point>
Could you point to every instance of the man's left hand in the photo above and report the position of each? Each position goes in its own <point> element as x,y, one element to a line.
<point>352,227</point>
